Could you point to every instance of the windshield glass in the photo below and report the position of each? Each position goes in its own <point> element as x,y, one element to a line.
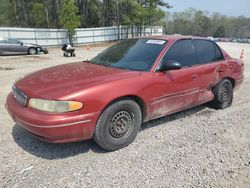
<point>132,54</point>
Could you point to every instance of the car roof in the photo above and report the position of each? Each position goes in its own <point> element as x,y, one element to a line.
<point>7,38</point>
<point>172,37</point>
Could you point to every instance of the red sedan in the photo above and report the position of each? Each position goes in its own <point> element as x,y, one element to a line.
<point>136,80</point>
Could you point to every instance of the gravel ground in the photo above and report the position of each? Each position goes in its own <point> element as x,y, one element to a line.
<point>199,147</point>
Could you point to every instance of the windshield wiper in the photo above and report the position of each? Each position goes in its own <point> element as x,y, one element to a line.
<point>123,68</point>
<point>86,61</point>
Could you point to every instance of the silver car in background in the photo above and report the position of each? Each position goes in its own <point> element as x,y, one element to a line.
<point>13,46</point>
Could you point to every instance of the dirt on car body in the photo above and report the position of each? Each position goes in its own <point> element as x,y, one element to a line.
<point>199,147</point>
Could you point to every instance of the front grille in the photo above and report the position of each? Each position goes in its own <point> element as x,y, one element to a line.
<point>19,96</point>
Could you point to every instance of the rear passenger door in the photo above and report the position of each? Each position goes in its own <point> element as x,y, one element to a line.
<point>212,64</point>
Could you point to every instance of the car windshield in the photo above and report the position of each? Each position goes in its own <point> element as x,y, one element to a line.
<point>132,54</point>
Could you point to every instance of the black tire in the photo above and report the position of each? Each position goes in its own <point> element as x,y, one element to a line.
<point>118,125</point>
<point>223,95</point>
<point>32,51</point>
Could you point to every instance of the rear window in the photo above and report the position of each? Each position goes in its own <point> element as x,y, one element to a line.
<point>207,51</point>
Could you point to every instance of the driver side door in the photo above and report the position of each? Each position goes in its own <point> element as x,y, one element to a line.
<point>177,89</point>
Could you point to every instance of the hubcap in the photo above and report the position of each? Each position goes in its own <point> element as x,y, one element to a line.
<point>32,51</point>
<point>120,124</point>
<point>224,94</point>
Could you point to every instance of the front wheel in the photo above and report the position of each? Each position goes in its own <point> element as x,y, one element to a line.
<point>32,51</point>
<point>118,125</point>
<point>223,95</point>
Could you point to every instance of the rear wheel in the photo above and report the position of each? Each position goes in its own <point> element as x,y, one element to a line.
<point>32,51</point>
<point>223,95</point>
<point>118,125</point>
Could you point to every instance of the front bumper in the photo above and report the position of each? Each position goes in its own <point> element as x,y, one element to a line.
<point>56,128</point>
<point>44,50</point>
<point>238,82</point>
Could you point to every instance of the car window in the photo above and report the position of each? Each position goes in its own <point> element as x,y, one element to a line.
<point>218,54</point>
<point>207,51</point>
<point>182,51</point>
<point>132,54</point>
<point>13,41</point>
<point>2,41</point>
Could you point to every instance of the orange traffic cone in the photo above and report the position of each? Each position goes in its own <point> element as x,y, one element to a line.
<point>242,54</point>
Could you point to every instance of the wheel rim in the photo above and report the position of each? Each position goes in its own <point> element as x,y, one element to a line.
<point>32,51</point>
<point>121,124</point>
<point>225,94</point>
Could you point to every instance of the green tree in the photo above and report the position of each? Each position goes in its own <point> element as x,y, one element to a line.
<point>96,13</point>
<point>69,18</point>
<point>4,7</point>
<point>140,13</point>
<point>38,15</point>
<point>202,24</point>
<point>219,32</point>
<point>90,12</point>
<point>195,22</point>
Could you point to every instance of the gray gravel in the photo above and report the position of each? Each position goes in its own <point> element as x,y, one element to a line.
<point>199,147</point>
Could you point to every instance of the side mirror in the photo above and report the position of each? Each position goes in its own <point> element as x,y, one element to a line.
<point>21,44</point>
<point>169,65</point>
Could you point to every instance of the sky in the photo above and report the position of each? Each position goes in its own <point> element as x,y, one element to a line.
<point>226,7</point>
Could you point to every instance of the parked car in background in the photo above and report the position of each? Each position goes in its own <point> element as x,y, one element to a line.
<point>13,46</point>
<point>136,80</point>
<point>213,39</point>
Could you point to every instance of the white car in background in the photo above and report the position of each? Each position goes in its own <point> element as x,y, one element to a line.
<point>213,39</point>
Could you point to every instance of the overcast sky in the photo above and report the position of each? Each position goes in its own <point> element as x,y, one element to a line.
<point>227,7</point>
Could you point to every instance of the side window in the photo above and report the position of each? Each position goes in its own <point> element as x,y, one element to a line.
<point>218,54</point>
<point>2,41</point>
<point>207,51</point>
<point>182,51</point>
<point>13,41</point>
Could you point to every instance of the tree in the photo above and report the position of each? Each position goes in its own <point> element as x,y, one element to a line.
<point>4,7</point>
<point>108,9</point>
<point>194,22</point>
<point>93,13</point>
<point>219,32</point>
<point>202,24</point>
<point>38,15</point>
<point>90,12</point>
<point>97,13</point>
<point>69,18</point>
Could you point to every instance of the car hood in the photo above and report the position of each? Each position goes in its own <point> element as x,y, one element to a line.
<point>59,81</point>
<point>28,44</point>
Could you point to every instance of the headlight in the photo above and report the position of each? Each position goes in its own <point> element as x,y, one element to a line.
<point>55,106</point>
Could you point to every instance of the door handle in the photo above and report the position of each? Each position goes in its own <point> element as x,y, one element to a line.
<point>194,76</point>
<point>220,70</point>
